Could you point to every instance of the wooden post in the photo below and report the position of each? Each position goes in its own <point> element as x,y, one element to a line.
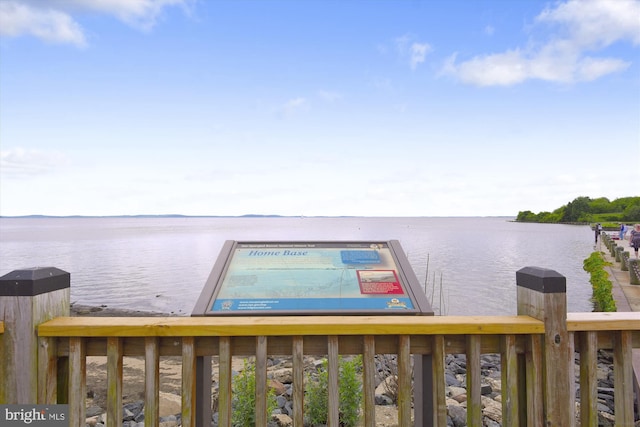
<point>27,298</point>
<point>542,295</point>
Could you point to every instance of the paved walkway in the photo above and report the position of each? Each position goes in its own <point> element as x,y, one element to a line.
<point>627,296</point>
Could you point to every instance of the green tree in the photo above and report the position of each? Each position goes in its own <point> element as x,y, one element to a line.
<point>601,205</point>
<point>585,210</point>
<point>576,209</point>
<point>632,213</point>
<point>623,203</point>
<point>526,216</point>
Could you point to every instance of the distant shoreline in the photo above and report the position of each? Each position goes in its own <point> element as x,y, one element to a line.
<point>247,216</point>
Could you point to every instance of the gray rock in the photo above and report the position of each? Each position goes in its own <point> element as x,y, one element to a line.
<point>458,415</point>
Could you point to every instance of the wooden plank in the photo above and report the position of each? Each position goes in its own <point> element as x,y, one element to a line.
<point>114,381</point>
<point>509,362</point>
<point>152,382</point>
<point>474,378</point>
<point>404,381</point>
<point>224,390</point>
<point>77,382</point>
<point>47,371</point>
<point>369,381</point>
<point>1,327</point>
<point>589,379</point>
<point>623,378</point>
<point>313,344</point>
<point>601,321</point>
<point>261,382</point>
<point>63,379</point>
<point>288,326</point>
<point>439,383</point>
<point>297,351</point>
<point>558,362</point>
<point>189,382</point>
<point>333,367</point>
<point>533,378</point>
<point>18,366</point>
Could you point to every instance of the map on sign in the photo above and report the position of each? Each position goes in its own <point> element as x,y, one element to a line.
<point>310,277</point>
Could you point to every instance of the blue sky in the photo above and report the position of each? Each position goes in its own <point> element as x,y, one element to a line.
<point>375,108</point>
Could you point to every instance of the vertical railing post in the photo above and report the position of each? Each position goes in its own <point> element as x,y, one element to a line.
<point>27,298</point>
<point>542,295</point>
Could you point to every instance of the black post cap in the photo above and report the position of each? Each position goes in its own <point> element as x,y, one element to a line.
<point>33,281</point>
<point>542,280</point>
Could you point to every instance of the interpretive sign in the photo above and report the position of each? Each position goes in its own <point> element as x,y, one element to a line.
<point>312,278</point>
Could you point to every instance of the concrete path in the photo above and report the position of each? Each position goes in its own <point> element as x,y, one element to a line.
<point>626,295</point>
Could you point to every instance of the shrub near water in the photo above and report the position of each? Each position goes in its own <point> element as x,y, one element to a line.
<point>243,399</point>
<point>602,286</point>
<point>349,390</point>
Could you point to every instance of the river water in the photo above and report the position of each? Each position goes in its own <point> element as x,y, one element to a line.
<point>467,265</point>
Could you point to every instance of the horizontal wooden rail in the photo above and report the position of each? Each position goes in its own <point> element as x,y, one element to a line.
<point>288,326</point>
<point>627,320</point>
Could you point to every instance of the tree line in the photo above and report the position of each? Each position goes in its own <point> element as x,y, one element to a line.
<point>586,210</point>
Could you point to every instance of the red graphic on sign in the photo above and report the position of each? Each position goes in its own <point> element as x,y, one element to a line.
<point>380,282</point>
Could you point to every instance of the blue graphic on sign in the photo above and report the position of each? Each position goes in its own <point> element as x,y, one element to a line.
<point>311,304</point>
<point>360,257</point>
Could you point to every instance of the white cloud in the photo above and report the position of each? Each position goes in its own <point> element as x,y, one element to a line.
<point>53,21</point>
<point>49,25</point>
<point>418,53</point>
<point>142,14</point>
<point>19,162</point>
<point>584,25</point>
<point>415,52</point>
<point>500,69</point>
<point>591,68</point>
<point>293,106</point>
<point>329,96</point>
<point>597,23</point>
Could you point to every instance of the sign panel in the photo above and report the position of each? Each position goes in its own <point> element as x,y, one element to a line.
<point>311,278</point>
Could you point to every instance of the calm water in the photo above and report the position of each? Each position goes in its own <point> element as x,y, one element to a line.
<point>161,264</point>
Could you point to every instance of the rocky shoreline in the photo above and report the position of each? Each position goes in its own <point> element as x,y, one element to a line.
<point>280,375</point>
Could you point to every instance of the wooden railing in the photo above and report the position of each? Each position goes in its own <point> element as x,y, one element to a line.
<point>537,349</point>
<point>516,338</point>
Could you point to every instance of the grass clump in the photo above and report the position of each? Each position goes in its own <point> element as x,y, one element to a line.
<point>602,286</point>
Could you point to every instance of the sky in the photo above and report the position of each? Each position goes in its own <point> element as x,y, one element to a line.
<point>317,108</point>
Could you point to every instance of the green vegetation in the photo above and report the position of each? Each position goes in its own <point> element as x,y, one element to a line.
<point>316,396</point>
<point>602,286</point>
<point>244,398</point>
<point>586,210</point>
<point>349,394</point>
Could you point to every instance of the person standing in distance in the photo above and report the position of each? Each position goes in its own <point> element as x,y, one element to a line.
<point>634,238</point>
